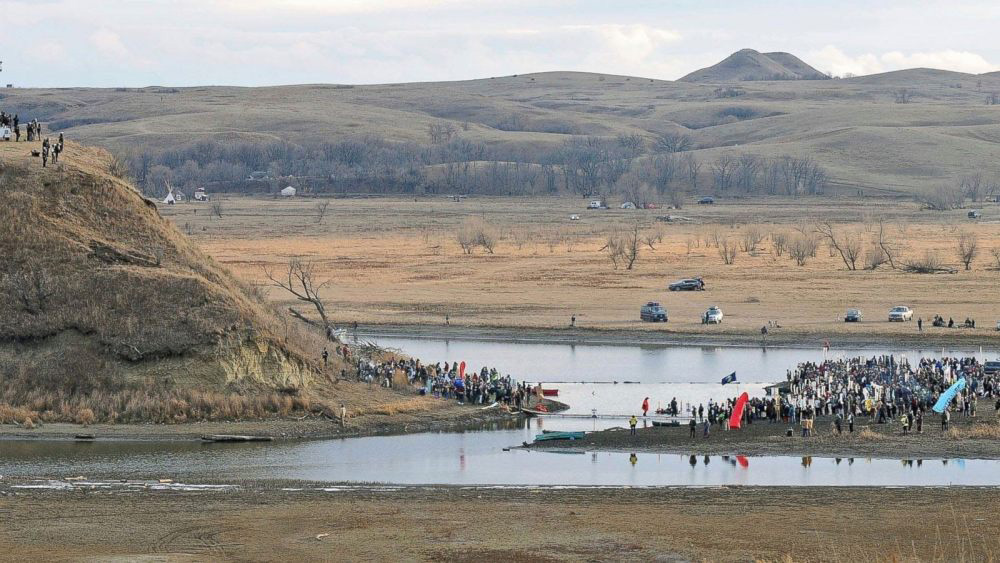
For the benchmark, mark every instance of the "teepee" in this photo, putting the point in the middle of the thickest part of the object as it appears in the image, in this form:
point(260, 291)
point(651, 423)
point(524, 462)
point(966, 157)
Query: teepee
point(170, 199)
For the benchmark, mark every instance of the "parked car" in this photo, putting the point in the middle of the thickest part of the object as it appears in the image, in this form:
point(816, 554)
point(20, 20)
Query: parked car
point(713, 316)
point(991, 367)
point(900, 313)
point(690, 284)
point(974, 214)
point(707, 200)
point(652, 312)
point(853, 316)
point(595, 204)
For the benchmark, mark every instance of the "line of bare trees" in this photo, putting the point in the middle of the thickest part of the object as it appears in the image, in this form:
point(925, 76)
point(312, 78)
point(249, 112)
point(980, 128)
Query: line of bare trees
point(751, 174)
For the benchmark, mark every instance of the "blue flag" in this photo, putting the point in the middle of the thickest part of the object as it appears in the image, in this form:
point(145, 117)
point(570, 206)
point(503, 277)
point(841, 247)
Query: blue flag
point(948, 395)
point(731, 378)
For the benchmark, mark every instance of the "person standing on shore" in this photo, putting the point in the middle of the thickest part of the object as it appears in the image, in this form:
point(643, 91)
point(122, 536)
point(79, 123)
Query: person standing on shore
point(693, 425)
point(632, 422)
point(645, 406)
point(850, 423)
point(920, 324)
point(343, 415)
point(945, 416)
point(706, 425)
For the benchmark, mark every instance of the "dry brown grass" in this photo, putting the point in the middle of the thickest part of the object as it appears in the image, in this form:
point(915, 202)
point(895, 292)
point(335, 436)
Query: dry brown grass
point(869, 435)
point(396, 261)
point(974, 432)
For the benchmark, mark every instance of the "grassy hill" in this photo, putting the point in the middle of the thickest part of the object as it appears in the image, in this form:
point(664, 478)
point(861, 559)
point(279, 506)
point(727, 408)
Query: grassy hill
point(111, 314)
point(749, 65)
point(853, 127)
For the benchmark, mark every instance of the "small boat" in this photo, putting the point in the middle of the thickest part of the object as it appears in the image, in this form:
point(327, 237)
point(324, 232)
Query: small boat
point(559, 436)
point(235, 438)
point(534, 412)
point(550, 392)
point(666, 423)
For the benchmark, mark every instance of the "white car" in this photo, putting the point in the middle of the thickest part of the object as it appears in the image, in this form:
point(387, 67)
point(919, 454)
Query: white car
point(900, 313)
point(713, 316)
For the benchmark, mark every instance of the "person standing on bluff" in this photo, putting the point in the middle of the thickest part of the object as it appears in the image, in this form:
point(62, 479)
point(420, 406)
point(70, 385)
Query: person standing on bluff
point(45, 153)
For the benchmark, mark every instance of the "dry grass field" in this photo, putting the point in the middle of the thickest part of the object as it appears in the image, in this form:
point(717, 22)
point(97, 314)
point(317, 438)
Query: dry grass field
point(398, 262)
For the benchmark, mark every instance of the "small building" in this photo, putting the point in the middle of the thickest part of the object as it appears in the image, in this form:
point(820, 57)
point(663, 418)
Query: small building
point(288, 192)
point(628, 205)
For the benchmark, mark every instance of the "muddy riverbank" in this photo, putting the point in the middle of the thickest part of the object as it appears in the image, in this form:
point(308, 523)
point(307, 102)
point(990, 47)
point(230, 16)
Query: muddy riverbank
point(263, 522)
point(977, 438)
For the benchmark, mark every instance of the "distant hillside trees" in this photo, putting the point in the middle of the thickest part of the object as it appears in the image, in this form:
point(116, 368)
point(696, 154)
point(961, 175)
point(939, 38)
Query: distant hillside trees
point(748, 174)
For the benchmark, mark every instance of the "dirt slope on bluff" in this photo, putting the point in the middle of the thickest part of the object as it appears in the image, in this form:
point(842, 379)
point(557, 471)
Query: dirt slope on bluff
point(110, 313)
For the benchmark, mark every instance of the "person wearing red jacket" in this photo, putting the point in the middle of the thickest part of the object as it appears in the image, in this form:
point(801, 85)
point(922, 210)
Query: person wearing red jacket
point(645, 406)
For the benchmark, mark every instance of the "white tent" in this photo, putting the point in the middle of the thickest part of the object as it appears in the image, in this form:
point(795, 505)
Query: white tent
point(170, 200)
point(288, 192)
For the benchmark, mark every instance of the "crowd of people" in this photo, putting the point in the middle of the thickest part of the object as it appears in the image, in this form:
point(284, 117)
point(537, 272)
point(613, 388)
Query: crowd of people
point(33, 129)
point(883, 389)
point(446, 381)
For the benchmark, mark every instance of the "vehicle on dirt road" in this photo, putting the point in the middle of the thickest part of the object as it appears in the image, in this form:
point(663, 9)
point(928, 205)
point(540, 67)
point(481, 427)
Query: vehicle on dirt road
point(707, 200)
point(900, 313)
point(690, 284)
point(853, 316)
point(653, 312)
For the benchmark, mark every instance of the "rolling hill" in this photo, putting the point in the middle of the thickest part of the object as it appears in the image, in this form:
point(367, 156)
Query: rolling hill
point(749, 65)
point(853, 127)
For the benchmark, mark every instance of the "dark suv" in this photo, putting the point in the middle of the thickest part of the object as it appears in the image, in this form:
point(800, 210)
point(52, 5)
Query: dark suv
point(693, 284)
point(652, 312)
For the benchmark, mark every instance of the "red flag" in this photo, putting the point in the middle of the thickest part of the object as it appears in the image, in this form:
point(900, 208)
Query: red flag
point(744, 462)
point(461, 369)
point(737, 418)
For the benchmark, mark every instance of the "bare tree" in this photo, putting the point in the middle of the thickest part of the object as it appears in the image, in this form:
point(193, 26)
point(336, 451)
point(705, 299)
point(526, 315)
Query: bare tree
point(876, 257)
point(848, 246)
point(723, 171)
point(321, 210)
point(614, 249)
point(996, 258)
point(216, 209)
point(902, 96)
point(693, 168)
point(727, 251)
point(299, 279)
point(968, 249)
point(801, 248)
point(674, 142)
point(779, 242)
point(886, 243)
point(440, 133)
point(751, 238)
point(631, 246)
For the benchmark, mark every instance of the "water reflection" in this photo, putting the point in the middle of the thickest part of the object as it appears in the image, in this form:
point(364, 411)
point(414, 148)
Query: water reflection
point(467, 458)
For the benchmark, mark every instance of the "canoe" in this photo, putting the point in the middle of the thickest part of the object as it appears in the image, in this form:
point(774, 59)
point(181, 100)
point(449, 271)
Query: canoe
point(550, 392)
point(666, 423)
point(235, 438)
point(559, 436)
point(534, 412)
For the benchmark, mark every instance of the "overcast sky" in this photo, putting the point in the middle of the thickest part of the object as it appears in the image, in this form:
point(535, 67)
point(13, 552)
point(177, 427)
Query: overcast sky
point(263, 42)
